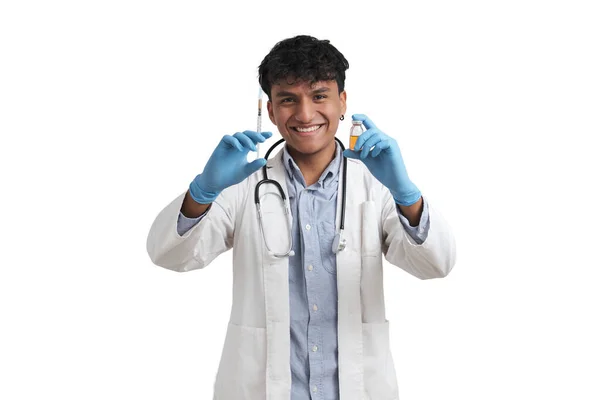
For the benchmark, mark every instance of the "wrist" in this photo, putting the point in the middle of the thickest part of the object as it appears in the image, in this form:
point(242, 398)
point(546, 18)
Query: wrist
point(191, 209)
point(413, 213)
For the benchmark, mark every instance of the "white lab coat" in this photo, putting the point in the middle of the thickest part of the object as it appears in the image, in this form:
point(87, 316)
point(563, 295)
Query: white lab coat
point(255, 362)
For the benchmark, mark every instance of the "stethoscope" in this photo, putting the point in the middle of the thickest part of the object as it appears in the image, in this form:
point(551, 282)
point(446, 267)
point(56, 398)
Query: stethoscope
point(339, 242)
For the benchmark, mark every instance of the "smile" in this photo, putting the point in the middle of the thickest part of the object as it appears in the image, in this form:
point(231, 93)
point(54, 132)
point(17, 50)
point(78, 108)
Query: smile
point(307, 131)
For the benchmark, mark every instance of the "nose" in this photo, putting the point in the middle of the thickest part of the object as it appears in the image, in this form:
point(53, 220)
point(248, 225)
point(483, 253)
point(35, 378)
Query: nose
point(305, 111)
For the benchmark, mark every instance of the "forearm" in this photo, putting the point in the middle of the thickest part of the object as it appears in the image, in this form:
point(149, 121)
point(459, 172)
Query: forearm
point(432, 257)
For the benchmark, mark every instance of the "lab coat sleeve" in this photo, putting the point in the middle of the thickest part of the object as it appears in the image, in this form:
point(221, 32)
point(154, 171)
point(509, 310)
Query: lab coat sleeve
point(417, 233)
point(202, 243)
point(434, 258)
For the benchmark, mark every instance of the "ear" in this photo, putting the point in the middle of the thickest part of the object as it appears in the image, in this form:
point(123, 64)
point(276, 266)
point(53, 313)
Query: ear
point(270, 110)
point(343, 101)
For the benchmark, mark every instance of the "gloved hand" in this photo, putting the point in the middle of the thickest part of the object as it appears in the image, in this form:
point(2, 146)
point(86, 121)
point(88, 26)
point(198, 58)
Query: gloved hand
point(227, 165)
point(384, 161)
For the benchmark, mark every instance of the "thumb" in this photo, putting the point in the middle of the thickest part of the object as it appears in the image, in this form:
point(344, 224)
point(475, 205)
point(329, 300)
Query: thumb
point(350, 154)
point(254, 166)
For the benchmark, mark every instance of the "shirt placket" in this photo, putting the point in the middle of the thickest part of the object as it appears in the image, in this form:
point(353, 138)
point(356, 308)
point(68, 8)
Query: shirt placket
point(312, 268)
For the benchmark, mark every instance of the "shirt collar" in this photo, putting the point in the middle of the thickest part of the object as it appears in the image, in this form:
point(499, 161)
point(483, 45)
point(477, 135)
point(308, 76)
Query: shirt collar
point(329, 175)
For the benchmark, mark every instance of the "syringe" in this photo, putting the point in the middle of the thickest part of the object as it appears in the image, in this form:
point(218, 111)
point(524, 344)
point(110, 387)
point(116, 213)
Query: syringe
point(259, 119)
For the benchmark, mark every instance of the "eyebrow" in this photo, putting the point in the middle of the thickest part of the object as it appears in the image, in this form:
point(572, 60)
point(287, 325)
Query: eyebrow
point(316, 91)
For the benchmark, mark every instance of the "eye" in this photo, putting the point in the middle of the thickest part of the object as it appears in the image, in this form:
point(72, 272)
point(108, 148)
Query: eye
point(287, 100)
point(320, 97)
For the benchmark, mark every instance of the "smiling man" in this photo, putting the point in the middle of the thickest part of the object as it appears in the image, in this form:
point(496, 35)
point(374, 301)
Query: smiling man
point(309, 323)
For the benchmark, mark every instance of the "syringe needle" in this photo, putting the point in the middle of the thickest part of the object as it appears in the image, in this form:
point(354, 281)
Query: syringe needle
point(259, 120)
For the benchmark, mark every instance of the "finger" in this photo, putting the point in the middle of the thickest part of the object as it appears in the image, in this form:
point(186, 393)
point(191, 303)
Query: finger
point(350, 154)
point(254, 166)
point(366, 135)
point(233, 142)
point(365, 120)
point(379, 147)
point(373, 140)
point(267, 135)
point(245, 141)
point(255, 136)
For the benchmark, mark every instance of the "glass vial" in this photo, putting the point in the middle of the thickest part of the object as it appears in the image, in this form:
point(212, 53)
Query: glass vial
point(355, 132)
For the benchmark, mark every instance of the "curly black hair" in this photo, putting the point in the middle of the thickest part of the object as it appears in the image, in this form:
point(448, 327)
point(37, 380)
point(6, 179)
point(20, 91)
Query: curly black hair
point(302, 58)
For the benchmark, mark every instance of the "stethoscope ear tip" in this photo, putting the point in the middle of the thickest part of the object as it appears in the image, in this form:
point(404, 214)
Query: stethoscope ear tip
point(292, 253)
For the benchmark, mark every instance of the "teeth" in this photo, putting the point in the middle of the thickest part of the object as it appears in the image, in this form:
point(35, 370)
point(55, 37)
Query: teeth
point(312, 128)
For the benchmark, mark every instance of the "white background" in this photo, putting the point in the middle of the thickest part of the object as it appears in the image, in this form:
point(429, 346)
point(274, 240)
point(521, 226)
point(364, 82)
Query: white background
point(109, 109)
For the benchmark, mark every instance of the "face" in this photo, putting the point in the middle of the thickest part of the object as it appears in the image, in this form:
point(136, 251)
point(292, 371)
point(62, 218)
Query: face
point(307, 116)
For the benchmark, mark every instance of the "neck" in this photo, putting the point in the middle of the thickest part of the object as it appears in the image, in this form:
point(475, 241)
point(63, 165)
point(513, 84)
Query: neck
point(313, 165)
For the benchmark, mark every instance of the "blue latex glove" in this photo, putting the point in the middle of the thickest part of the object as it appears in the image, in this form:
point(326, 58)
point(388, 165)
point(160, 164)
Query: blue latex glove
point(384, 161)
point(228, 165)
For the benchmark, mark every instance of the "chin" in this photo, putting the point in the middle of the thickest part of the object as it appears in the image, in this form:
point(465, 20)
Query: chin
point(311, 148)
point(308, 150)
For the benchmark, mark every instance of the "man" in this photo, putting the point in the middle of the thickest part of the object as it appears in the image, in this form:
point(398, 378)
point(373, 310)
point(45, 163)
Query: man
point(308, 324)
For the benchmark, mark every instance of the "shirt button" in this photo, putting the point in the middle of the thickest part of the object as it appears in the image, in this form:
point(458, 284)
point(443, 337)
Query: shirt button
point(314, 389)
point(310, 267)
point(315, 348)
point(315, 307)
point(307, 227)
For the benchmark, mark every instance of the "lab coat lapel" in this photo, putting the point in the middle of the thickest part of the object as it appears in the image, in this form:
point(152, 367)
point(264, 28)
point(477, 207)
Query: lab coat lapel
point(276, 287)
point(350, 339)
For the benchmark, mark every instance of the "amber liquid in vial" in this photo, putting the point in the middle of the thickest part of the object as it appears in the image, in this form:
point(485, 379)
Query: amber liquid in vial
point(355, 132)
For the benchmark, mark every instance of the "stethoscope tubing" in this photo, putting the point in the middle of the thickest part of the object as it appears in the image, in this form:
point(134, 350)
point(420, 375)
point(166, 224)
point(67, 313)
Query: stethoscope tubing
point(267, 180)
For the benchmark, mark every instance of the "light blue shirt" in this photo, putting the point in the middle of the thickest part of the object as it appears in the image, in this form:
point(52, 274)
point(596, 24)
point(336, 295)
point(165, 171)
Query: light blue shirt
point(312, 278)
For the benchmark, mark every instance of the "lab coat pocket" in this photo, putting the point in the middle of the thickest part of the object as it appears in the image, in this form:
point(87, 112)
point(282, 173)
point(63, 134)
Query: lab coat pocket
point(371, 243)
point(242, 370)
point(379, 371)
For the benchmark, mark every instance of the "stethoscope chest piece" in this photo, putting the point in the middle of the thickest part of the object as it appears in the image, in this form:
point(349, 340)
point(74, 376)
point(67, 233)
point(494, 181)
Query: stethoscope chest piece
point(339, 243)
